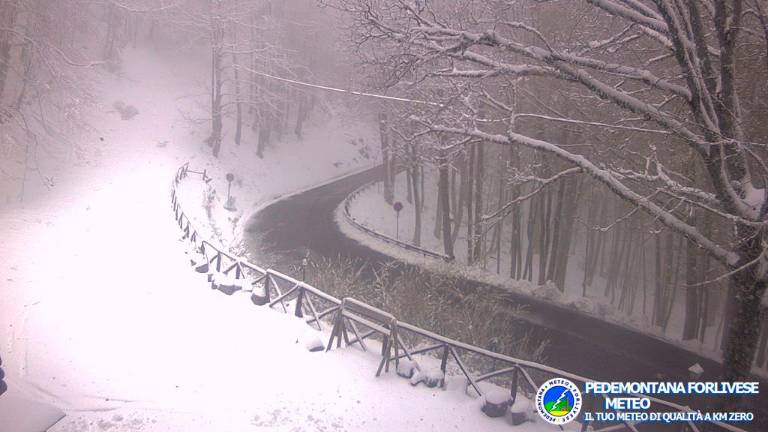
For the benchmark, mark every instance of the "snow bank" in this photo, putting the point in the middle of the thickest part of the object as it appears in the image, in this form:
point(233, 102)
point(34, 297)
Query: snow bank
point(371, 210)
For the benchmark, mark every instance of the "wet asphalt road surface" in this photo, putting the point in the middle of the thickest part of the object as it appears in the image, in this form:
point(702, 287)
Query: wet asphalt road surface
point(579, 344)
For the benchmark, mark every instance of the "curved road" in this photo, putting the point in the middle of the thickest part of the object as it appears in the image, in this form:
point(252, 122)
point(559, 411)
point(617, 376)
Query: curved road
point(581, 344)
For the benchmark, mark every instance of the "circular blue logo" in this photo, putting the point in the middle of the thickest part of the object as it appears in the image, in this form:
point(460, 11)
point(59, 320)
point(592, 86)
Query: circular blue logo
point(558, 401)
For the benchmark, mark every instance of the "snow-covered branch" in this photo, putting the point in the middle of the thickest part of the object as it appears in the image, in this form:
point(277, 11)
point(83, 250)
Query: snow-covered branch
point(604, 176)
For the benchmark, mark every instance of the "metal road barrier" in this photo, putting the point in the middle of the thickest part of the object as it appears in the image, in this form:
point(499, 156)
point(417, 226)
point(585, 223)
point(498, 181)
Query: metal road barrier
point(351, 219)
point(353, 322)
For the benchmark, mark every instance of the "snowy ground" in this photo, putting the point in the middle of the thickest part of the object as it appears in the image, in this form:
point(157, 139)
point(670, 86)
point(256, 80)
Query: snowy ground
point(101, 315)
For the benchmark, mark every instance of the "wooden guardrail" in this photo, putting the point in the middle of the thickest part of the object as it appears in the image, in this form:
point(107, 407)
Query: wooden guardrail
point(373, 233)
point(398, 339)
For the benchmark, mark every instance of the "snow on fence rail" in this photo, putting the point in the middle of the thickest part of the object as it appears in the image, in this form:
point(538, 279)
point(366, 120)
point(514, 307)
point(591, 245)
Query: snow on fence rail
point(354, 322)
point(351, 219)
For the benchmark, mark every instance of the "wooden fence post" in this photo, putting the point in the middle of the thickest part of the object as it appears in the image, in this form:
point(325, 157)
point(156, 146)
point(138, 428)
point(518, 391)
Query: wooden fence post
point(266, 288)
point(513, 390)
point(395, 343)
point(338, 322)
point(299, 300)
point(385, 350)
point(444, 361)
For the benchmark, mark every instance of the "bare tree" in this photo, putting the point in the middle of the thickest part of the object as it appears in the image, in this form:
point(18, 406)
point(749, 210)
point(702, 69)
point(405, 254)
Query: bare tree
point(648, 69)
point(41, 98)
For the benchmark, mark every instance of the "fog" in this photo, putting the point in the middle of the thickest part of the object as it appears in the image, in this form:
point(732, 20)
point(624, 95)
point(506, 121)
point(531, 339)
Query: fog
point(576, 187)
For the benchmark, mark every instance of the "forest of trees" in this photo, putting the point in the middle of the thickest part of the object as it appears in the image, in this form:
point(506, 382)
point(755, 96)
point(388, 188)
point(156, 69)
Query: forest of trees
point(42, 48)
point(48, 49)
point(250, 43)
point(630, 136)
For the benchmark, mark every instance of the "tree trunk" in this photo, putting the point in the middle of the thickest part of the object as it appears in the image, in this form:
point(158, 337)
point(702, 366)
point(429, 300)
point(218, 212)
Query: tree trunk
point(217, 82)
point(515, 246)
point(109, 39)
point(470, 208)
point(592, 240)
point(421, 185)
point(499, 225)
point(301, 116)
point(532, 215)
point(389, 191)
point(659, 273)
point(238, 102)
point(252, 81)
point(416, 201)
point(573, 192)
point(445, 205)
point(692, 290)
point(216, 120)
point(744, 327)
point(408, 182)
point(477, 234)
point(264, 134)
point(26, 60)
point(692, 274)
point(454, 193)
point(515, 241)
point(458, 214)
point(7, 18)
point(674, 282)
point(437, 230)
point(557, 216)
point(545, 206)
